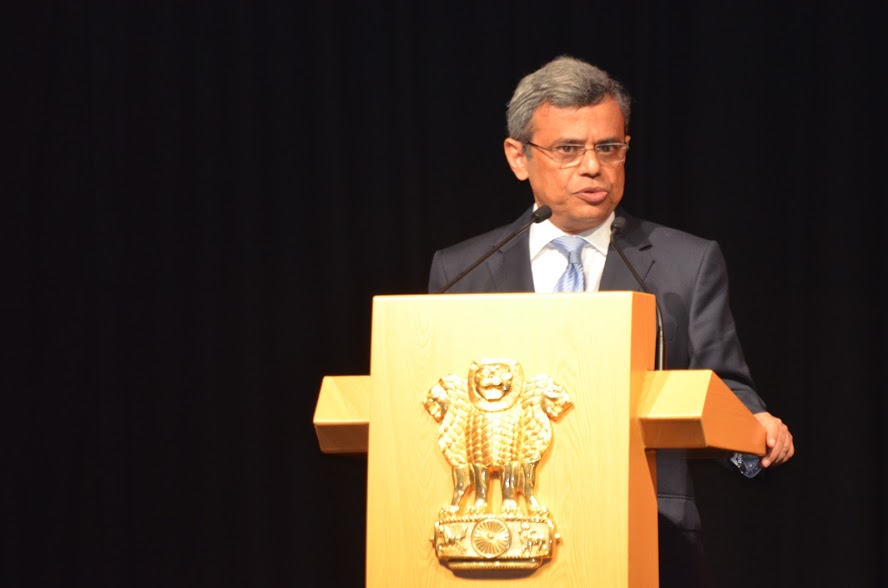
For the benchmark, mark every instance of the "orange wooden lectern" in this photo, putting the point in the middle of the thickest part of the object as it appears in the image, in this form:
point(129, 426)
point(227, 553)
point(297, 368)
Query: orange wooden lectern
point(598, 478)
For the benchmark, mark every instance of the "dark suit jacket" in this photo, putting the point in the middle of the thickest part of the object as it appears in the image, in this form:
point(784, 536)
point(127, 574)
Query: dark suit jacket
point(688, 276)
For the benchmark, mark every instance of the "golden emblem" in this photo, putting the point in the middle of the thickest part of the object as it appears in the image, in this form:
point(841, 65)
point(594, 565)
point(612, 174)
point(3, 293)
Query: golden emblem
point(495, 424)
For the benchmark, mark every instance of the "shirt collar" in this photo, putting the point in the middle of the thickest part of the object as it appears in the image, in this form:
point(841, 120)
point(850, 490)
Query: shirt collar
point(542, 233)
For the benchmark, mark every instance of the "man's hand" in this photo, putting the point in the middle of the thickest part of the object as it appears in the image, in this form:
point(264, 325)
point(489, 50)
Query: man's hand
point(779, 440)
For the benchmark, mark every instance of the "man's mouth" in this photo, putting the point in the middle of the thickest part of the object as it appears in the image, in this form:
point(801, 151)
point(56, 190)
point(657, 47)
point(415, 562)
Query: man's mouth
point(592, 195)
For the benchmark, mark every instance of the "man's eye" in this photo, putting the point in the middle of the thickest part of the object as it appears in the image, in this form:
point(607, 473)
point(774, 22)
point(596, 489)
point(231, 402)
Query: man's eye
point(569, 149)
point(608, 148)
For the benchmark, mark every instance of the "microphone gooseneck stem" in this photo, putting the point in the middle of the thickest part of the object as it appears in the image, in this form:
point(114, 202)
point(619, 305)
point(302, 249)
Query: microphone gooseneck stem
point(660, 357)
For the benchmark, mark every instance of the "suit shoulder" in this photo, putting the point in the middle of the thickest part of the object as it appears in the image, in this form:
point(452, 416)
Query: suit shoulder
point(662, 235)
point(674, 247)
point(479, 244)
point(484, 240)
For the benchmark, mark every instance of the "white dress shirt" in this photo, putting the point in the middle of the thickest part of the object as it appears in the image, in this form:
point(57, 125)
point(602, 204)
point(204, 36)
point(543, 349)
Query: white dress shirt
point(547, 263)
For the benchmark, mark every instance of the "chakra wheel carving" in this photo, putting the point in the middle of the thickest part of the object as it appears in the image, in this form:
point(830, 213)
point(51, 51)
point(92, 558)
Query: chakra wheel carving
point(491, 537)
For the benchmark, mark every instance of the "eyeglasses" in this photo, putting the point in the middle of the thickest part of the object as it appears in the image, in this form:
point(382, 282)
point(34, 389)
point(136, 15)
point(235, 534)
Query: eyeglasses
point(571, 155)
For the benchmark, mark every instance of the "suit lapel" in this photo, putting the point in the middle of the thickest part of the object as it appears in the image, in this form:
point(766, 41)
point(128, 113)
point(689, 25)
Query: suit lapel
point(510, 268)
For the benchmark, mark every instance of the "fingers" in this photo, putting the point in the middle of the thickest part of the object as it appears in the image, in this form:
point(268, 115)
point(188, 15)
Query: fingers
point(780, 446)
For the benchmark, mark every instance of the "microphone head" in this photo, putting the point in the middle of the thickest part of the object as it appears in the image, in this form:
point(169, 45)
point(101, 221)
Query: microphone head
point(619, 224)
point(541, 213)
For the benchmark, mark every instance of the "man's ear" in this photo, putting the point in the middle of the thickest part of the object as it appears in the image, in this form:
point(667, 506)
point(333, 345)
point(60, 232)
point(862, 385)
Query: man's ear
point(516, 157)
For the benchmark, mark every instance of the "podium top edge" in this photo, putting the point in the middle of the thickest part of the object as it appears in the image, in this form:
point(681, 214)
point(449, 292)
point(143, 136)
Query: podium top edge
point(505, 295)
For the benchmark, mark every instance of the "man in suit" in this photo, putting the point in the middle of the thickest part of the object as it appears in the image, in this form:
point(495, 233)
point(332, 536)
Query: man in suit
point(568, 136)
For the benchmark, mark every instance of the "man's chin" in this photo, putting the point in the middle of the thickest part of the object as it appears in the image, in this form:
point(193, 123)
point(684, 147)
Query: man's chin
point(574, 224)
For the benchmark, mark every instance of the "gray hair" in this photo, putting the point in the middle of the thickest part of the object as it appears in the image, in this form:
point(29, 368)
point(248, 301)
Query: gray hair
point(565, 82)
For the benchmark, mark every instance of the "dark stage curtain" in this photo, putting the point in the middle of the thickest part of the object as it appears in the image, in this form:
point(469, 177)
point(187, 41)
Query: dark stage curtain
point(204, 197)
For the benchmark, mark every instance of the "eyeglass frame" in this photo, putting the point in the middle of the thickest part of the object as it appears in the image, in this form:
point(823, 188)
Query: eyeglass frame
point(549, 150)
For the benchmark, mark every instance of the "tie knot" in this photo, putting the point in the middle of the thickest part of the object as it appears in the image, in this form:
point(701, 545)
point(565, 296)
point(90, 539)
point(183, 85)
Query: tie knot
point(571, 246)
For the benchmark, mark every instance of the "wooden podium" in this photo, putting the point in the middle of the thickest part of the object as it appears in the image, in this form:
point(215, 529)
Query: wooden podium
point(598, 477)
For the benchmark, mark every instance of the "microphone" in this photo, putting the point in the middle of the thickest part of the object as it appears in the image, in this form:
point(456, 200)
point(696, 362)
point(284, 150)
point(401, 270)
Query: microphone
point(618, 225)
point(538, 216)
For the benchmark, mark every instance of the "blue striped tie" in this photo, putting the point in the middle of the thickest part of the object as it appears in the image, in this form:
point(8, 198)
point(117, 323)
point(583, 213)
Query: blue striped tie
point(572, 280)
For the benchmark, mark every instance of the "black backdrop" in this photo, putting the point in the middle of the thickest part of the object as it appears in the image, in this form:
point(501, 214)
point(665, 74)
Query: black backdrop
point(207, 195)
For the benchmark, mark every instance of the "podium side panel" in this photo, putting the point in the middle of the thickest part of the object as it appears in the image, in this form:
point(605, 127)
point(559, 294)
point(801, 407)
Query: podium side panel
point(695, 409)
point(342, 414)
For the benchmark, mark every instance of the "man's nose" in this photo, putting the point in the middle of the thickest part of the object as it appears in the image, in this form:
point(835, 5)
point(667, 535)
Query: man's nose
point(589, 163)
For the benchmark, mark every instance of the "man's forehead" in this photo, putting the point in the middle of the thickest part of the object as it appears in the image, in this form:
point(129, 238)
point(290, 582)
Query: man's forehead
point(578, 122)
